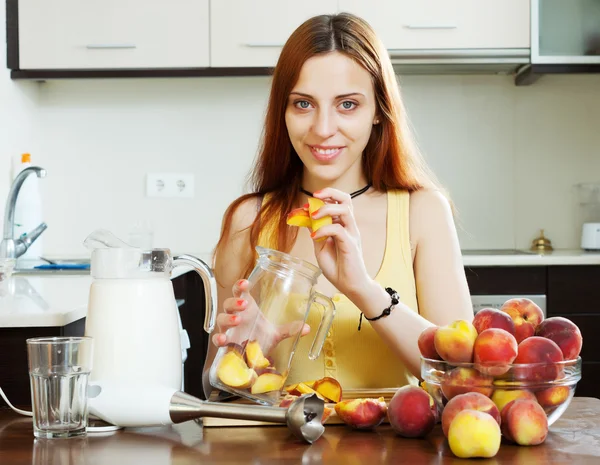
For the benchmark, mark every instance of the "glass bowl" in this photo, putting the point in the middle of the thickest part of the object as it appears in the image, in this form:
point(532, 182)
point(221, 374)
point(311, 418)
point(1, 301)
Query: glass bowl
point(552, 385)
point(7, 265)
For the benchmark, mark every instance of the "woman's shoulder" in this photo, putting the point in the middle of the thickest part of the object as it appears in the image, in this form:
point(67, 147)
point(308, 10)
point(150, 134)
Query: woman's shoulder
point(244, 212)
point(430, 210)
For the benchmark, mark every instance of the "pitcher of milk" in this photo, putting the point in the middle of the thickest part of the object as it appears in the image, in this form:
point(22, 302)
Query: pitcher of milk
point(132, 314)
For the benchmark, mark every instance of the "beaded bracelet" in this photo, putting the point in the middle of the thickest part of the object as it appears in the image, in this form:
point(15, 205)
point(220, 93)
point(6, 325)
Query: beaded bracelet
point(395, 300)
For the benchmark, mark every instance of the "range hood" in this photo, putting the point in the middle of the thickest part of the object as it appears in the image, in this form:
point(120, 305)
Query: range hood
point(459, 61)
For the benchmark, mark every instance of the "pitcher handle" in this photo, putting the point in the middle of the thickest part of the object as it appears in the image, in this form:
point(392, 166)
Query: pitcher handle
point(325, 324)
point(210, 287)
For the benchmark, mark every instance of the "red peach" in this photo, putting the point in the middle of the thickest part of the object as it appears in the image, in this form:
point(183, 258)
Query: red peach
point(494, 351)
point(461, 380)
point(565, 333)
point(526, 315)
point(426, 343)
point(487, 318)
point(412, 412)
point(524, 422)
point(542, 351)
point(362, 413)
point(471, 401)
point(553, 396)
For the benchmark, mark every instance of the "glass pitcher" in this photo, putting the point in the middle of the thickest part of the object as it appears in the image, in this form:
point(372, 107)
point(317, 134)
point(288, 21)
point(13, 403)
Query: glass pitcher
point(258, 356)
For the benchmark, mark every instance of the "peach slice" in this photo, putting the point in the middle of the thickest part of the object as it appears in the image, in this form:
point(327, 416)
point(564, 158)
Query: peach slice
point(329, 388)
point(254, 356)
point(234, 372)
point(362, 413)
point(267, 382)
point(299, 217)
point(289, 398)
point(313, 206)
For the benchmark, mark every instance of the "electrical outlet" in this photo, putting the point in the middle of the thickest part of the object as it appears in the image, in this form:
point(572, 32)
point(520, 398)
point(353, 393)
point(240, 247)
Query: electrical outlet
point(180, 185)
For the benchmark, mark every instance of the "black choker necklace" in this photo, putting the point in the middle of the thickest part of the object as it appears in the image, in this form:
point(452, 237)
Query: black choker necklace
point(352, 194)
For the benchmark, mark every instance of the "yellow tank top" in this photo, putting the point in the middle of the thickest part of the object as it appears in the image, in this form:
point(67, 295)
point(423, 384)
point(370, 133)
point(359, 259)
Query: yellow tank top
point(360, 359)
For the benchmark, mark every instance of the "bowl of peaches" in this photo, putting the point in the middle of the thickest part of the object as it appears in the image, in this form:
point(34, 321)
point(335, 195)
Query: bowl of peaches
point(520, 364)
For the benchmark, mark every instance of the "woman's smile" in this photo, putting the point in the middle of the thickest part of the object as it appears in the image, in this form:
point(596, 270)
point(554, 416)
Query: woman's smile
point(325, 154)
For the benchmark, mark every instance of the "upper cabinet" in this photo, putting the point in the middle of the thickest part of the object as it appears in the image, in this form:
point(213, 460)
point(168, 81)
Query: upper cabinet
point(446, 24)
point(112, 34)
point(251, 33)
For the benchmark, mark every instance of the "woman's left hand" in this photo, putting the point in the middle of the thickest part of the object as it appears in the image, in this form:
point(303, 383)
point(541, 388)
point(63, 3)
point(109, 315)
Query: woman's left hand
point(339, 253)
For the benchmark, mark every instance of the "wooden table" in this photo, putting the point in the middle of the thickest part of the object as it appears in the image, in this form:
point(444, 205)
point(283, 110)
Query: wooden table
point(574, 439)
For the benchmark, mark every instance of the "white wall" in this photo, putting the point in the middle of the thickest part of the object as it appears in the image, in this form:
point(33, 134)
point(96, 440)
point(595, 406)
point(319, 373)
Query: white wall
point(509, 155)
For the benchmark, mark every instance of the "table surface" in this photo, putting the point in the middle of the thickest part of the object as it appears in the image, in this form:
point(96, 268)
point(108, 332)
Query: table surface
point(573, 439)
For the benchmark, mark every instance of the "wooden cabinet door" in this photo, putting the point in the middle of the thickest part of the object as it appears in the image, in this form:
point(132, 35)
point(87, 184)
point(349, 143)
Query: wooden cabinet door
point(113, 34)
point(251, 33)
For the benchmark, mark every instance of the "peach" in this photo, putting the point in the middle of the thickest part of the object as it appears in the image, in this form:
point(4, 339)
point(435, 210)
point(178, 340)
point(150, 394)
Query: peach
point(524, 422)
point(468, 401)
point(267, 382)
point(553, 396)
point(461, 380)
point(501, 397)
point(536, 349)
point(328, 388)
point(362, 413)
point(254, 356)
point(526, 315)
point(473, 433)
point(494, 351)
point(412, 412)
point(565, 333)
point(234, 372)
point(426, 343)
point(454, 342)
point(313, 205)
point(487, 318)
point(299, 217)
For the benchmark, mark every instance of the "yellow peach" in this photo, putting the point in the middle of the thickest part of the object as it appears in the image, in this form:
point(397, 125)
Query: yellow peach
point(474, 434)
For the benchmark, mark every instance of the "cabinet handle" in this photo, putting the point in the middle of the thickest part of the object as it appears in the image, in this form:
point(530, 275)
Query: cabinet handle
point(262, 45)
point(430, 26)
point(109, 46)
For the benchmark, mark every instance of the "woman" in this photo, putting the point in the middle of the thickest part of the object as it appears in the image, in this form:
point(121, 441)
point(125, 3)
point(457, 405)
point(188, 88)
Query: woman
point(336, 125)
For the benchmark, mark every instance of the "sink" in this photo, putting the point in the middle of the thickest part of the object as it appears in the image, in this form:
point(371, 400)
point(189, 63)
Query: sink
point(497, 252)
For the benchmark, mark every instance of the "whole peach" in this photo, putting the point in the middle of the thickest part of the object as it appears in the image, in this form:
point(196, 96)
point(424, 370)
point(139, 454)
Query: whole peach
point(461, 380)
point(553, 396)
point(454, 342)
point(426, 343)
point(468, 401)
point(526, 315)
point(412, 412)
point(487, 318)
point(474, 434)
point(565, 333)
point(494, 351)
point(524, 422)
point(501, 397)
point(538, 350)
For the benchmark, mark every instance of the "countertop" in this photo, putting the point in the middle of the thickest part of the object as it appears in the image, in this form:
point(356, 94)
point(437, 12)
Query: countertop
point(573, 439)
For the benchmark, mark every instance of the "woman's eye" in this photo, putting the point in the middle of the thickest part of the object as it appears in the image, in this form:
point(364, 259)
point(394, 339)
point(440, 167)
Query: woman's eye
point(303, 104)
point(347, 105)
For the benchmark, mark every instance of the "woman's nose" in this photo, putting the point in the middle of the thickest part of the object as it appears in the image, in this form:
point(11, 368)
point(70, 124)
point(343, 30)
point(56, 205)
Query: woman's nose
point(325, 124)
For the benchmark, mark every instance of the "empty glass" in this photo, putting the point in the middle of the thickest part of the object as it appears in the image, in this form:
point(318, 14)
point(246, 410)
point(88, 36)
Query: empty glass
point(59, 368)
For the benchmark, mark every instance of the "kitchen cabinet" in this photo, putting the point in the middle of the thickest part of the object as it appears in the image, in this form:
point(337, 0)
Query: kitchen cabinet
point(572, 291)
point(446, 24)
point(112, 34)
point(251, 33)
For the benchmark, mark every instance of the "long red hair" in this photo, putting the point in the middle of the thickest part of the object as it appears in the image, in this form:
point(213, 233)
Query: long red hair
point(390, 160)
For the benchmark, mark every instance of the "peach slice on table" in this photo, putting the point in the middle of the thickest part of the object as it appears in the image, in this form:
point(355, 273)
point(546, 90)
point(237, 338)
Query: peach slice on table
point(329, 388)
point(254, 356)
point(234, 372)
point(362, 413)
point(267, 382)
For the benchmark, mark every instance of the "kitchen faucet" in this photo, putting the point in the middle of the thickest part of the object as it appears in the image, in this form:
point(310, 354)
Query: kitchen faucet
point(11, 247)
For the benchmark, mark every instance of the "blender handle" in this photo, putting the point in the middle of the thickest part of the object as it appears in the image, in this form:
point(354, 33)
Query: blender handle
point(210, 287)
point(325, 324)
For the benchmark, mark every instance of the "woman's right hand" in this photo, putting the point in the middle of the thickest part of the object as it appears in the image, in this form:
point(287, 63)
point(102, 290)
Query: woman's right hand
point(240, 311)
